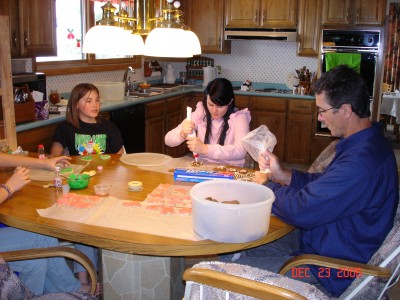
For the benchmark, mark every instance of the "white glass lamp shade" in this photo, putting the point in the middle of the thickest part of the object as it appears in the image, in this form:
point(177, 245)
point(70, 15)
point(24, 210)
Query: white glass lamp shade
point(167, 42)
point(193, 42)
point(111, 40)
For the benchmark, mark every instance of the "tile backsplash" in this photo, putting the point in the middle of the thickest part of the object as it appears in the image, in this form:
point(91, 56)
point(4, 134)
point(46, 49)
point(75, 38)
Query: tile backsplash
point(255, 60)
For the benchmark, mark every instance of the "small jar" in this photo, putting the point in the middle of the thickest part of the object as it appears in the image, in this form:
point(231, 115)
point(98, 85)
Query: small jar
point(54, 96)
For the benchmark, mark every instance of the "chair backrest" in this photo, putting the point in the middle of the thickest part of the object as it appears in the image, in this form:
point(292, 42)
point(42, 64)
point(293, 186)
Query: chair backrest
point(388, 256)
point(324, 158)
point(10, 286)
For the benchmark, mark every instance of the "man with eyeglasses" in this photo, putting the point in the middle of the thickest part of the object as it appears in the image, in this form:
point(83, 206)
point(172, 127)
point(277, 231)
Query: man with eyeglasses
point(347, 210)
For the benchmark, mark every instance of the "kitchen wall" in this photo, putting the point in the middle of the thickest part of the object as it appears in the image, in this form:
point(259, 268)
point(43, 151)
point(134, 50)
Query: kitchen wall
point(256, 60)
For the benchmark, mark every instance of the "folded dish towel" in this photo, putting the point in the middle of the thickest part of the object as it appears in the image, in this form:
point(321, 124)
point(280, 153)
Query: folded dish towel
point(353, 60)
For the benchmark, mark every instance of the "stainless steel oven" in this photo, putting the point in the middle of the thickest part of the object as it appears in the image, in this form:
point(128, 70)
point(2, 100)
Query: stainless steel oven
point(367, 43)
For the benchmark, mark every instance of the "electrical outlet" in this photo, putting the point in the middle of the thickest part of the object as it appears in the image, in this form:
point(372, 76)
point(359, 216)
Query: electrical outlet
point(219, 71)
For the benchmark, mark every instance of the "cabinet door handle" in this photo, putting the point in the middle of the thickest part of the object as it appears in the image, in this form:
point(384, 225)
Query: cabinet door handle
point(14, 40)
point(256, 16)
point(263, 15)
point(26, 42)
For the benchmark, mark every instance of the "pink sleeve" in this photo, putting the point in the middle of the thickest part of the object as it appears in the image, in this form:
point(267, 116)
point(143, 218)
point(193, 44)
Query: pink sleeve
point(173, 137)
point(232, 150)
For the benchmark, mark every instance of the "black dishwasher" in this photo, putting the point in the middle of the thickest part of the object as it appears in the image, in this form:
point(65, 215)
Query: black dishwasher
point(131, 122)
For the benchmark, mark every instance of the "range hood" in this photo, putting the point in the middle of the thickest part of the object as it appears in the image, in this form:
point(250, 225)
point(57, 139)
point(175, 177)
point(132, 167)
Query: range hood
point(289, 35)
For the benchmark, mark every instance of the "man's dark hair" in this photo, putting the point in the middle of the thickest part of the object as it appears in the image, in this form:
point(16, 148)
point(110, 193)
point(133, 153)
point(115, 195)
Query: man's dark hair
point(343, 85)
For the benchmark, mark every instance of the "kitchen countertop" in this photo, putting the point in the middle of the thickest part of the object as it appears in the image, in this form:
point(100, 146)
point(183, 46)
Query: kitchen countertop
point(129, 101)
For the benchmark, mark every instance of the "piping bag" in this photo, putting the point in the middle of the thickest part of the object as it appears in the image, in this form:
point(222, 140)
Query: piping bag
point(258, 141)
point(193, 134)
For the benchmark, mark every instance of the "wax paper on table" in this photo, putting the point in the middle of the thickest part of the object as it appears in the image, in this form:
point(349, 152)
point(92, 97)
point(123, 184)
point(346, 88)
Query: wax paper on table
point(166, 211)
point(48, 175)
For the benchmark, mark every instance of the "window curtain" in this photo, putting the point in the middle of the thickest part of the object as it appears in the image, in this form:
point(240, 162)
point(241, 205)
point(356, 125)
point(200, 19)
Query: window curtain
point(391, 73)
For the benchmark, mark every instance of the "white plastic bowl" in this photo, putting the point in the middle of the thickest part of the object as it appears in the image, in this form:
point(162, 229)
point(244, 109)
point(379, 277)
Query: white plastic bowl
point(231, 223)
point(111, 91)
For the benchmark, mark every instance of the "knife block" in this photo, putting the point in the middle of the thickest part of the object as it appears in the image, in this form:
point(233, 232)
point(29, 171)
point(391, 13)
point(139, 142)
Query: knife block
point(25, 112)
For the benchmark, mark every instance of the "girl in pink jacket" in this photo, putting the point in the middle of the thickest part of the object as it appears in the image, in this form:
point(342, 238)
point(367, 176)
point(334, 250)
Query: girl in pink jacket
point(220, 127)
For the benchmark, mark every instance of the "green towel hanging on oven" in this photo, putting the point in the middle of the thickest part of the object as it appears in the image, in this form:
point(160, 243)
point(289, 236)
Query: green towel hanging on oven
point(353, 60)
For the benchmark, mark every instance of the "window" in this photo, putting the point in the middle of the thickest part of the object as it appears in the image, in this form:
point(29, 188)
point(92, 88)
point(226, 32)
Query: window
point(70, 33)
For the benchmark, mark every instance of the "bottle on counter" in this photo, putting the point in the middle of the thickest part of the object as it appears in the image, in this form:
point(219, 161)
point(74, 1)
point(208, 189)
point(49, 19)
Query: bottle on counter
point(41, 153)
point(57, 178)
point(54, 96)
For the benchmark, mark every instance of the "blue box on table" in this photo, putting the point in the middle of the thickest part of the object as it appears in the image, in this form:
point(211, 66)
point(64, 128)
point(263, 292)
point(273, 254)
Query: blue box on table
point(193, 175)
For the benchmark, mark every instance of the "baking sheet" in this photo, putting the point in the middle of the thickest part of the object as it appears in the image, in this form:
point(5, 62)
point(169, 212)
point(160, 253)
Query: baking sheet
point(146, 159)
point(48, 175)
point(111, 212)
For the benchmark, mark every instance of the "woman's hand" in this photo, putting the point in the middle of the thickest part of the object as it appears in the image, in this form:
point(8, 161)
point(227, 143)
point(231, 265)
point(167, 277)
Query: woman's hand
point(50, 163)
point(196, 145)
point(19, 179)
point(187, 128)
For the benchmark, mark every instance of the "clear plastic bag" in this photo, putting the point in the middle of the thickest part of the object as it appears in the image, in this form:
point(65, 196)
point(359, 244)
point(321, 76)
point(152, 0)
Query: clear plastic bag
point(258, 141)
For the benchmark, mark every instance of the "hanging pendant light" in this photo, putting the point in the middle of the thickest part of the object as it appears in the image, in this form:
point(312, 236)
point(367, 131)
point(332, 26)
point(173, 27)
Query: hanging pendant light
point(169, 39)
point(109, 38)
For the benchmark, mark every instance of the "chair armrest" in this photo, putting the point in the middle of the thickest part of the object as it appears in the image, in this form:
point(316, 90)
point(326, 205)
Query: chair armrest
point(55, 252)
point(324, 261)
point(238, 284)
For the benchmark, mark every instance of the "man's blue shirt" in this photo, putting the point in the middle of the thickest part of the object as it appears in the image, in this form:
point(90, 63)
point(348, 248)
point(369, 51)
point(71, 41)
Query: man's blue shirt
point(346, 211)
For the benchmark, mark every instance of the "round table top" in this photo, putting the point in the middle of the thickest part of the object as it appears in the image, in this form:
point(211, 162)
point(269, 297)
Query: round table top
point(21, 212)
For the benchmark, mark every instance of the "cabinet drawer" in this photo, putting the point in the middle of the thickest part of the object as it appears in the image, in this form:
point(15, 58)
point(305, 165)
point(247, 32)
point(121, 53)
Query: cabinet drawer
point(268, 104)
point(301, 106)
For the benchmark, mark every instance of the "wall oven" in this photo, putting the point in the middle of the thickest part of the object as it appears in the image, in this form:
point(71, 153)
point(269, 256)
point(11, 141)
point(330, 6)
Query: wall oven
point(367, 43)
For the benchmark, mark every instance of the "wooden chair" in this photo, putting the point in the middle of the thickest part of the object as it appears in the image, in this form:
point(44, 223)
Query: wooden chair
point(12, 288)
point(214, 280)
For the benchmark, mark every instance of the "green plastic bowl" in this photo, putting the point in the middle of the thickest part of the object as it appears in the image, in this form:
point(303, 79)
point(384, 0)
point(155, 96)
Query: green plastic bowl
point(78, 181)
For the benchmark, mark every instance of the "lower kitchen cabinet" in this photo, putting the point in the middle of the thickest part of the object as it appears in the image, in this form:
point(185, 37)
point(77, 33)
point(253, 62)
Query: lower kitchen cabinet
point(299, 131)
point(175, 114)
point(271, 112)
point(30, 139)
point(155, 126)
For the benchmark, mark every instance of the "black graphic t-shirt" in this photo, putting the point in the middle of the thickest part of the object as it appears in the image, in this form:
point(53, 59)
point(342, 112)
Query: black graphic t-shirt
point(97, 138)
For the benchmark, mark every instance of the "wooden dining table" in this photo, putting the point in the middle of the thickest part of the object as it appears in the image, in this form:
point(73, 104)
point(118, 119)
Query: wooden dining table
point(120, 247)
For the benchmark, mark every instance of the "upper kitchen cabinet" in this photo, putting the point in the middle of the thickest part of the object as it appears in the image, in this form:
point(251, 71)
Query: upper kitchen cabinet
point(353, 12)
point(308, 31)
point(32, 27)
point(261, 14)
point(206, 19)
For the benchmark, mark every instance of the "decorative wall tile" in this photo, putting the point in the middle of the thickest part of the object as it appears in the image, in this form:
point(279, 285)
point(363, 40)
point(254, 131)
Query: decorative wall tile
point(256, 60)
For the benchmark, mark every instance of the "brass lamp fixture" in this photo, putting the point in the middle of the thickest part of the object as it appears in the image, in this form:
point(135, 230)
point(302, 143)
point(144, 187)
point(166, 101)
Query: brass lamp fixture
point(113, 35)
point(119, 35)
point(171, 38)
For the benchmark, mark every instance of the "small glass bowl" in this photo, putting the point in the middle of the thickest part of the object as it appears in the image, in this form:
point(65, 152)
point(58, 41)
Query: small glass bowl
point(102, 189)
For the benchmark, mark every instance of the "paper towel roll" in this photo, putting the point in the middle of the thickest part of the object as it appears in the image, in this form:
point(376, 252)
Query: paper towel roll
point(209, 74)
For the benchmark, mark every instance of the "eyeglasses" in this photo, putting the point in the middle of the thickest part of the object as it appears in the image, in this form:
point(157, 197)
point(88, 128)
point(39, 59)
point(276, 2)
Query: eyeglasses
point(321, 111)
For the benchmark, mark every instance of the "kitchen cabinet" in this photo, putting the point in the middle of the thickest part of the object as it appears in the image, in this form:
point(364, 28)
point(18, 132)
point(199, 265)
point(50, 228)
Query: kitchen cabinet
point(308, 31)
point(261, 14)
point(30, 139)
point(175, 114)
point(299, 131)
point(353, 13)
point(155, 126)
point(33, 27)
point(271, 112)
point(206, 19)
